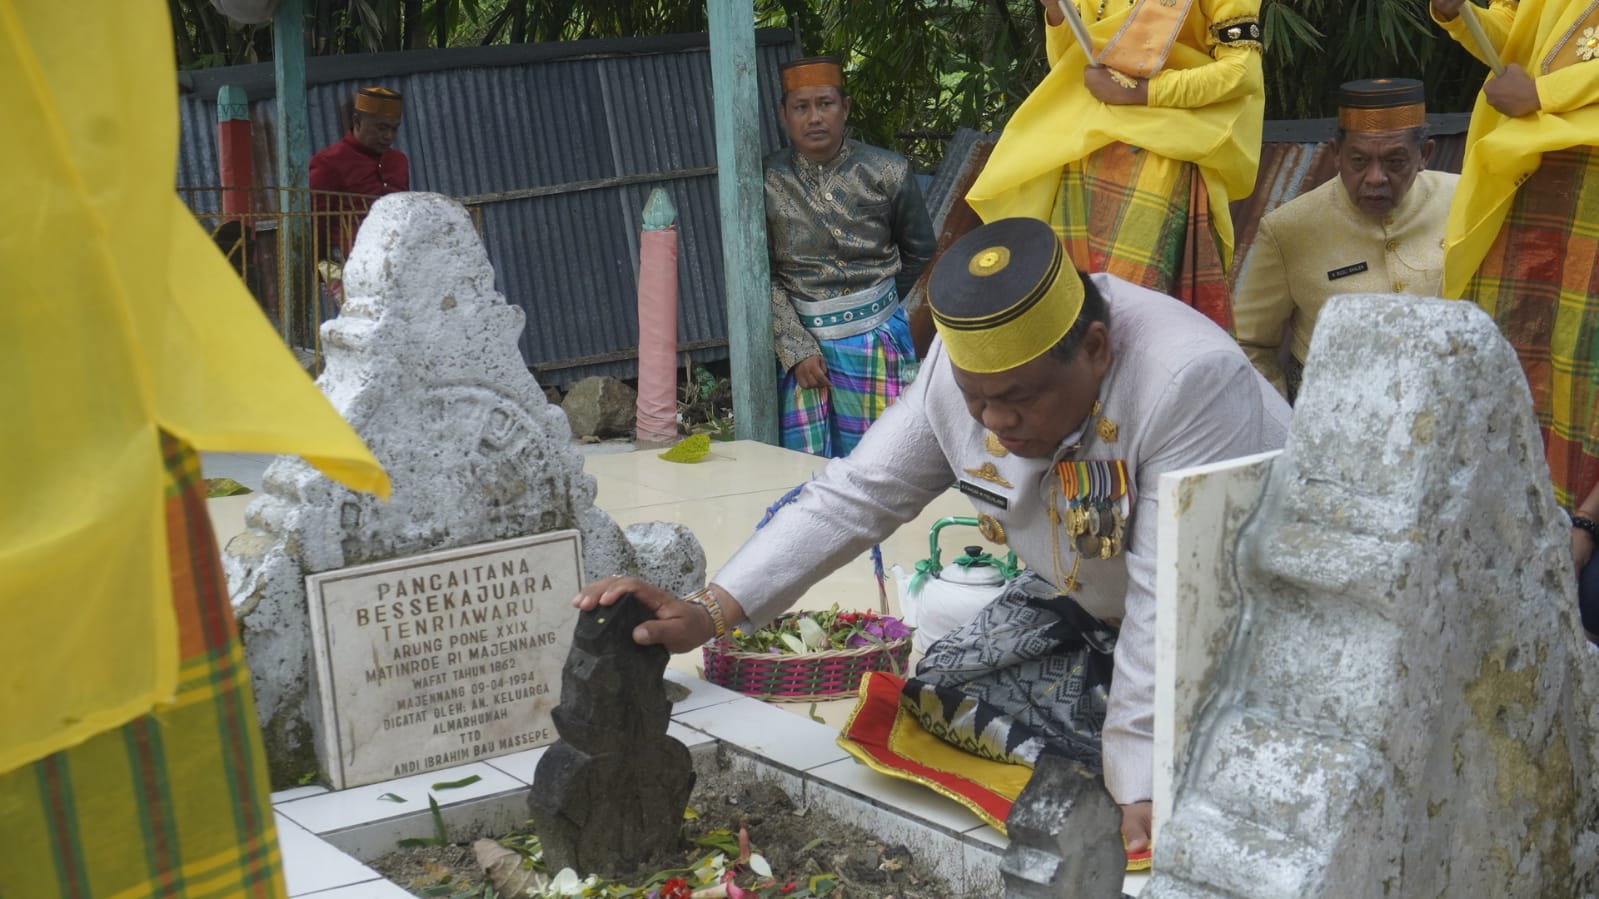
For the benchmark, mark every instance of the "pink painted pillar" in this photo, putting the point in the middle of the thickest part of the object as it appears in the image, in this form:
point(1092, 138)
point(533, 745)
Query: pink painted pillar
point(657, 323)
point(233, 150)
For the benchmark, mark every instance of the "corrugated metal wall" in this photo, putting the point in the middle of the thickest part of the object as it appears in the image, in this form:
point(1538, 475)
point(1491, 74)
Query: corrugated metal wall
point(559, 147)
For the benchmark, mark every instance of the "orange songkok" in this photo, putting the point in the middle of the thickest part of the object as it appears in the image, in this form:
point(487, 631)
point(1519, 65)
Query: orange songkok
point(1382, 104)
point(812, 71)
point(379, 101)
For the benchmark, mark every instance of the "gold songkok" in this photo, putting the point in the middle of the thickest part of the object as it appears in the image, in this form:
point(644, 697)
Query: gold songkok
point(812, 71)
point(1002, 295)
point(379, 101)
point(1382, 104)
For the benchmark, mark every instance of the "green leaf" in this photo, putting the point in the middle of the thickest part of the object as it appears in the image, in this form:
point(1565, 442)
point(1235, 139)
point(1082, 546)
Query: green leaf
point(391, 797)
point(693, 448)
point(457, 784)
point(440, 835)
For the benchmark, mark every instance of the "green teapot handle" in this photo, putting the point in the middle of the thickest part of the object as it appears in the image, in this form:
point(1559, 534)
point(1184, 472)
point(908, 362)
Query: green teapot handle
point(933, 561)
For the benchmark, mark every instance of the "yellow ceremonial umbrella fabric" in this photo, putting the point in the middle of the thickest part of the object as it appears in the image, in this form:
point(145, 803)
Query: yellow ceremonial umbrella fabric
point(118, 319)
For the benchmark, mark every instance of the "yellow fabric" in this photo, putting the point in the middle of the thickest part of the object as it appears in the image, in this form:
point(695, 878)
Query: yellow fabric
point(1502, 151)
point(1287, 278)
point(120, 318)
point(1203, 109)
point(909, 739)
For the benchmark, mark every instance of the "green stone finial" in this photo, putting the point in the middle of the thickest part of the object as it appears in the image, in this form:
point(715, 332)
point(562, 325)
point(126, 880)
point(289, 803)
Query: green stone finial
point(659, 213)
point(233, 103)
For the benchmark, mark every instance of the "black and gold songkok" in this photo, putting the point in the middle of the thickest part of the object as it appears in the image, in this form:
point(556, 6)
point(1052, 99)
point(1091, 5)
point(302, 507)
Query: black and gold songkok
point(379, 101)
point(1382, 104)
point(1002, 295)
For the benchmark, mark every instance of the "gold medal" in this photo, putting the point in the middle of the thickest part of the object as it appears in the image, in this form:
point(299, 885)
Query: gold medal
point(1107, 547)
point(1078, 521)
point(1088, 546)
point(992, 444)
point(991, 529)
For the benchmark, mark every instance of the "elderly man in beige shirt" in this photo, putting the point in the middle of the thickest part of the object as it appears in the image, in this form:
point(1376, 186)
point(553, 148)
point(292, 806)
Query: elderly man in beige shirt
point(1377, 228)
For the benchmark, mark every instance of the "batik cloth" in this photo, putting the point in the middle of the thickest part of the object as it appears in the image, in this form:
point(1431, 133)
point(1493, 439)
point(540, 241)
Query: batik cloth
point(174, 803)
point(1540, 282)
point(1145, 219)
point(868, 372)
point(1028, 675)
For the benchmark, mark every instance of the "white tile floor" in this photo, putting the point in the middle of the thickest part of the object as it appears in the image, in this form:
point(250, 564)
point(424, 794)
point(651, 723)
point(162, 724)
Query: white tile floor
point(324, 835)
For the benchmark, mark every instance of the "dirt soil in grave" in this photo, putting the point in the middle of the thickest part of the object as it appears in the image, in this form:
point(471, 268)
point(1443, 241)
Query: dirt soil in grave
point(798, 843)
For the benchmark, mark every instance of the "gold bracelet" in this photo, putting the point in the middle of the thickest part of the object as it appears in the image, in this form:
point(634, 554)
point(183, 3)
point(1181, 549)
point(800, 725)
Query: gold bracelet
point(707, 600)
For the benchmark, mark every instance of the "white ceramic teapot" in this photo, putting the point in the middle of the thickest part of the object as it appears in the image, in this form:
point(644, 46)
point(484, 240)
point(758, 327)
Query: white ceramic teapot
point(935, 598)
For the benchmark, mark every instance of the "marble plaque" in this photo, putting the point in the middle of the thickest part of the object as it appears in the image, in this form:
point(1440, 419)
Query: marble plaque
point(437, 660)
point(1197, 599)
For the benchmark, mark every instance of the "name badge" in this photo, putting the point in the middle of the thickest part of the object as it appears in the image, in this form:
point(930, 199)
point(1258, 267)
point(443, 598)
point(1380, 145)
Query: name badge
point(987, 496)
point(1346, 271)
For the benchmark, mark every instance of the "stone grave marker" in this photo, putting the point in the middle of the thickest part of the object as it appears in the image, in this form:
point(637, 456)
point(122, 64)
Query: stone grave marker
point(1197, 599)
point(437, 660)
point(423, 361)
point(610, 794)
point(1408, 706)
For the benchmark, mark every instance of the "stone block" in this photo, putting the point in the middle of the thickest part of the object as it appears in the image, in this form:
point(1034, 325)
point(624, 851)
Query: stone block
point(1407, 710)
point(601, 407)
point(423, 361)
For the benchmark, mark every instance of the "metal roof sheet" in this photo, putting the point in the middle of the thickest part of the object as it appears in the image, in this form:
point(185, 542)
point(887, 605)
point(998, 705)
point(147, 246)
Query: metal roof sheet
point(558, 146)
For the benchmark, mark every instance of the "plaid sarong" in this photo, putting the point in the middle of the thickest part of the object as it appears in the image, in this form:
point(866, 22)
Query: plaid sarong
point(868, 372)
point(171, 804)
point(1145, 219)
point(1540, 282)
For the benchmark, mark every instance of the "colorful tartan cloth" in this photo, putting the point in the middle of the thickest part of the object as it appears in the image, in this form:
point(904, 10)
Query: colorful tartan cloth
point(174, 803)
point(1146, 219)
point(868, 372)
point(1540, 282)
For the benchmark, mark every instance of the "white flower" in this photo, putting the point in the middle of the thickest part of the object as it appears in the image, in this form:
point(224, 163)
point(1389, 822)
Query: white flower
point(1588, 43)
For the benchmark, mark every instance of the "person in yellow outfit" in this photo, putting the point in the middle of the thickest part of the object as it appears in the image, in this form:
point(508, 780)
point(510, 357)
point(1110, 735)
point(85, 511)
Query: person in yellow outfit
point(1376, 228)
point(1523, 235)
point(130, 760)
point(1133, 149)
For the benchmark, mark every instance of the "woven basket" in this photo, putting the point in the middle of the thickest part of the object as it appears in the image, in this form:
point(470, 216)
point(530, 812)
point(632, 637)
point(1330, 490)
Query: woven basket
point(811, 677)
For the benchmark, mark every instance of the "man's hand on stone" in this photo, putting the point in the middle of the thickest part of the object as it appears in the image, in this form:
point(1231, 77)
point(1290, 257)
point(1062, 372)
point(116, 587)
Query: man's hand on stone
point(1106, 89)
point(1512, 92)
point(811, 374)
point(679, 626)
point(1138, 820)
point(1446, 10)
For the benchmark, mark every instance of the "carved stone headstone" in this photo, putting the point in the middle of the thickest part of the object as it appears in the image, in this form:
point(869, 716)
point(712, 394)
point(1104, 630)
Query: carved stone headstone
point(1065, 836)
point(610, 793)
point(423, 362)
point(1407, 709)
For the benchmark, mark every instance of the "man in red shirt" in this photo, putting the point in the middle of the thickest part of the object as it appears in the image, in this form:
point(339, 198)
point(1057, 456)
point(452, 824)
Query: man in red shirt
point(362, 166)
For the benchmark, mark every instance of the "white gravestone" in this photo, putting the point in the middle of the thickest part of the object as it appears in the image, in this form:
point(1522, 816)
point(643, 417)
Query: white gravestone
point(423, 361)
point(1197, 599)
point(442, 659)
point(1408, 706)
